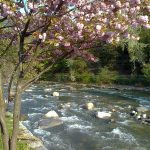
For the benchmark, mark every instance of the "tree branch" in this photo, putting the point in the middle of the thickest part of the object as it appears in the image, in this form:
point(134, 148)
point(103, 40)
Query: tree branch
point(50, 66)
point(3, 19)
point(8, 46)
point(4, 27)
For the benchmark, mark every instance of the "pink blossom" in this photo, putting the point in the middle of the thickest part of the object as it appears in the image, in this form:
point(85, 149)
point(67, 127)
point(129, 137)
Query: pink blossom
point(138, 8)
point(98, 27)
point(40, 36)
point(117, 39)
point(132, 10)
point(80, 25)
point(60, 38)
point(135, 24)
point(30, 5)
point(126, 35)
point(109, 40)
point(44, 37)
point(127, 4)
point(143, 19)
point(138, 1)
point(103, 6)
point(147, 26)
point(88, 7)
point(118, 4)
point(148, 8)
point(118, 26)
point(67, 44)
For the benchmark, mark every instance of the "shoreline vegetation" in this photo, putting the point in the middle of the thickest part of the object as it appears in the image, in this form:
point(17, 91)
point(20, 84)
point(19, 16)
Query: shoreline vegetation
point(107, 86)
point(26, 140)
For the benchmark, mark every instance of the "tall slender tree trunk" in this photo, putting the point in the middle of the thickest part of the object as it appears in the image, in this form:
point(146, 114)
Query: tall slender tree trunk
point(3, 126)
point(16, 116)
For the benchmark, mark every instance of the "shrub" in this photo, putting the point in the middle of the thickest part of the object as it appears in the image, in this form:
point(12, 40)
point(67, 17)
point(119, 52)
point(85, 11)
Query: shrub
point(146, 71)
point(85, 77)
point(62, 77)
point(106, 76)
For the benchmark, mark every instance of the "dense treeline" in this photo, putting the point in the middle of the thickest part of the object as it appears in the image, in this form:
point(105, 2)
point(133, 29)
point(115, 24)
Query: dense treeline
point(126, 63)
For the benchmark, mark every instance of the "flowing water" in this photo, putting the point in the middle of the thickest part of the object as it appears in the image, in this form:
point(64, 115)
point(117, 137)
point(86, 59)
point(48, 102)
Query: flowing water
point(80, 129)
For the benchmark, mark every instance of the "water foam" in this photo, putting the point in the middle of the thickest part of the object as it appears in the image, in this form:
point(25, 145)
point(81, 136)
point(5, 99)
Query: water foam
point(126, 137)
point(41, 132)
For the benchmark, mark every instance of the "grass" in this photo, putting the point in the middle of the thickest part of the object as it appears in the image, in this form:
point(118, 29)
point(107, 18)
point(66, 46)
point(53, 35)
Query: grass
point(20, 145)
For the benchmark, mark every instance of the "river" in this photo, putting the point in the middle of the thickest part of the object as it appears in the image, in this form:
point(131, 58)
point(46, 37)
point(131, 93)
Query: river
point(80, 129)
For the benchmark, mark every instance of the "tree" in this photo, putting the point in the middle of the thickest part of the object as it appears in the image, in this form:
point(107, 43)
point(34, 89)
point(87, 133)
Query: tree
point(54, 30)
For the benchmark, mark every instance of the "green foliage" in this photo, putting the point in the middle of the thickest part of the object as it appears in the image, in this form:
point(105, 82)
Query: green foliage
point(78, 65)
point(146, 71)
point(62, 66)
point(106, 76)
point(136, 80)
point(136, 51)
point(85, 77)
point(61, 77)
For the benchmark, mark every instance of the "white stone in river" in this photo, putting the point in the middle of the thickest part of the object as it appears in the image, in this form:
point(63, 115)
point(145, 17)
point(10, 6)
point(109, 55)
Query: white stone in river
point(48, 90)
point(103, 114)
point(55, 94)
point(51, 114)
point(144, 116)
point(89, 106)
point(138, 117)
point(142, 109)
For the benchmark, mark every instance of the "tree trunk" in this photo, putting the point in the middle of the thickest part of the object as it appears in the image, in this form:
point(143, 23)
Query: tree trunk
point(16, 116)
point(3, 126)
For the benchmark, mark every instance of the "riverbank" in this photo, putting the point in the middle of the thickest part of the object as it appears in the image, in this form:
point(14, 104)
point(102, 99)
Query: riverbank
point(107, 86)
point(32, 141)
point(26, 140)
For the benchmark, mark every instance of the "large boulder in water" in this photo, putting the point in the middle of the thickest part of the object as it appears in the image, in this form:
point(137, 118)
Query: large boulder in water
point(49, 123)
point(55, 94)
point(103, 115)
point(88, 106)
point(65, 106)
point(141, 109)
point(51, 114)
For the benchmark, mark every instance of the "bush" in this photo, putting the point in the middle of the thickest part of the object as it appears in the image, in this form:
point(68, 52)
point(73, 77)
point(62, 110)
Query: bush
point(86, 77)
point(146, 71)
point(106, 76)
point(62, 77)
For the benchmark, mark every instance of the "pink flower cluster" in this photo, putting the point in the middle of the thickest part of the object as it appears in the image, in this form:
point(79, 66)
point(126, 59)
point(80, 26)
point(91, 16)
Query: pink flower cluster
point(77, 24)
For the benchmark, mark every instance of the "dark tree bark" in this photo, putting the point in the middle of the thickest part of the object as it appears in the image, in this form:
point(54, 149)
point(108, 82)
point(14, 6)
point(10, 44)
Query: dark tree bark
point(3, 126)
point(16, 116)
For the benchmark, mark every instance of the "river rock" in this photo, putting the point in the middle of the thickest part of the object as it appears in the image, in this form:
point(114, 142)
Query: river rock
point(49, 123)
point(146, 121)
point(88, 106)
point(65, 106)
point(51, 114)
point(55, 94)
point(48, 90)
point(45, 96)
point(103, 115)
point(141, 109)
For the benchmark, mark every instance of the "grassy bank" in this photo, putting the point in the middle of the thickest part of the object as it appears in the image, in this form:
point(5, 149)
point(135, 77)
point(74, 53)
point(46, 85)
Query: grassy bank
point(20, 145)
